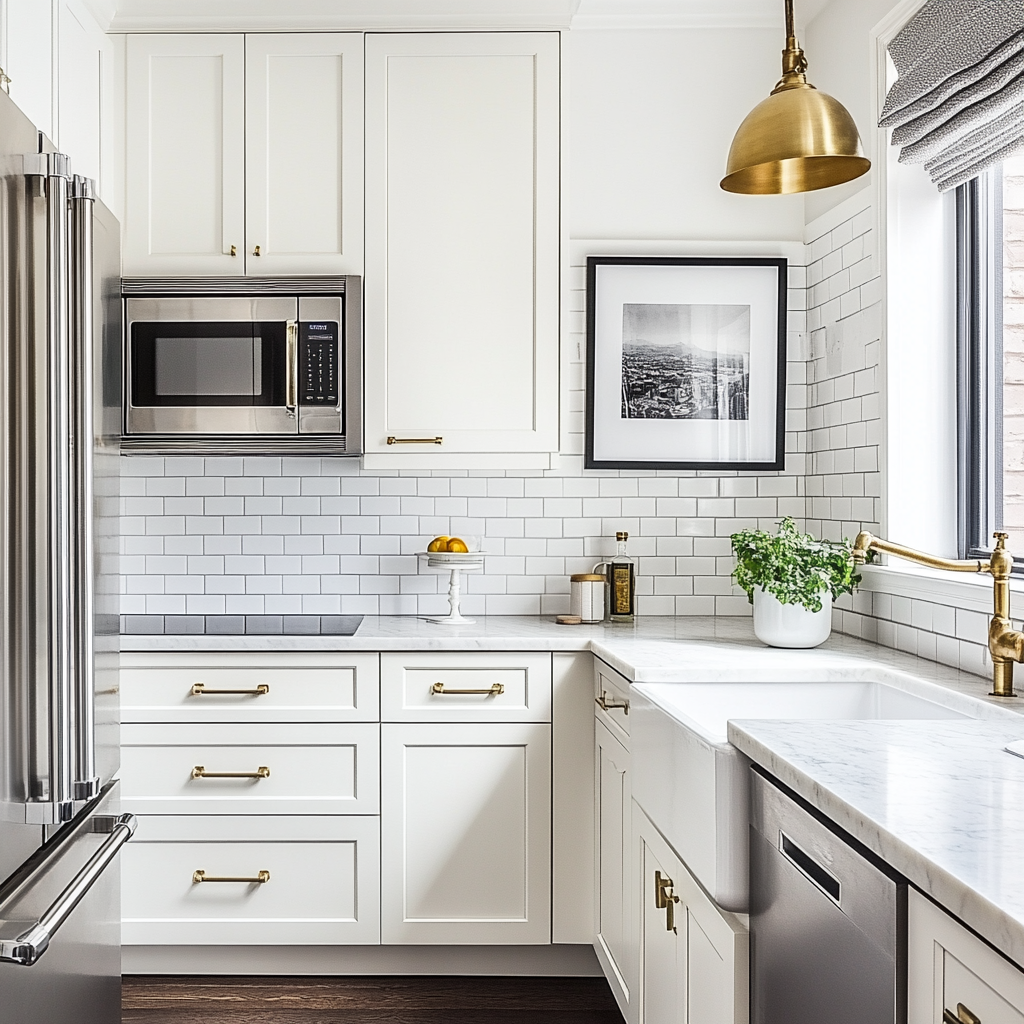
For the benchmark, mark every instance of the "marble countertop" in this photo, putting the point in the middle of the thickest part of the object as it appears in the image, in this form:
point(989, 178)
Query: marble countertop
point(942, 802)
point(653, 649)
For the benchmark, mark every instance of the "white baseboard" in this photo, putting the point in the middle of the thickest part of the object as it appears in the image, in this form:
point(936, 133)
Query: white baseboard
point(560, 961)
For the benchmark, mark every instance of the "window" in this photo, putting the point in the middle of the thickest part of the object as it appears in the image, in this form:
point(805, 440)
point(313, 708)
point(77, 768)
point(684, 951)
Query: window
point(990, 332)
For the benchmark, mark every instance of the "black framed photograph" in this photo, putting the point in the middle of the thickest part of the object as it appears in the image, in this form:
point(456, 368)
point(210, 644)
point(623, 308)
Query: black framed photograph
point(686, 363)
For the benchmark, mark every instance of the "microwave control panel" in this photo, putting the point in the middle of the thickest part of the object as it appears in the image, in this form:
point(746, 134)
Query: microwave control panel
point(319, 382)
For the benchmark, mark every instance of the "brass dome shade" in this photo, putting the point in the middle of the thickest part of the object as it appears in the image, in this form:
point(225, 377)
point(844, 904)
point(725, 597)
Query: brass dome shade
point(797, 140)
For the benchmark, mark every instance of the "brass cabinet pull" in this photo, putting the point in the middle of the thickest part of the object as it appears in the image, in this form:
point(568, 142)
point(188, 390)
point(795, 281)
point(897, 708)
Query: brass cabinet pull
point(234, 250)
point(611, 705)
point(201, 690)
point(199, 772)
point(415, 440)
point(256, 251)
point(962, 1016)
point(665, 899)
point(494, 690)
point(261, 878)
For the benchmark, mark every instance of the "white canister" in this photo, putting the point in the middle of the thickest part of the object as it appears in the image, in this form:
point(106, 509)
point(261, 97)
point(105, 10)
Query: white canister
point(586, 596)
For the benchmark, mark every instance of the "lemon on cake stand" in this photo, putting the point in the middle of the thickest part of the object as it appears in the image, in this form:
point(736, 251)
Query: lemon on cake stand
point(453, 554)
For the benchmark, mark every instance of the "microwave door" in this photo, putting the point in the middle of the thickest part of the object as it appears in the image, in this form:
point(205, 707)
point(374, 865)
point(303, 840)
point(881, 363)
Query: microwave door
point(192, 376)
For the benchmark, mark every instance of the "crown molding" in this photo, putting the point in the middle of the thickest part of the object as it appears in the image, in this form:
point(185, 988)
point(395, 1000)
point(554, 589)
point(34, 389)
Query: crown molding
point(675, 14)
point(335, 15)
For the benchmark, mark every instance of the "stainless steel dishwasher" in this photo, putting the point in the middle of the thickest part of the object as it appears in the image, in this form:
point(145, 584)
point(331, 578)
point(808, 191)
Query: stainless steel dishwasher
point(828, 933)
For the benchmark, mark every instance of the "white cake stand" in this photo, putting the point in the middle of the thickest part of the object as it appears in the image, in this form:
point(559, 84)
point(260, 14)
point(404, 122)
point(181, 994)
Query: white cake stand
point(457, 562)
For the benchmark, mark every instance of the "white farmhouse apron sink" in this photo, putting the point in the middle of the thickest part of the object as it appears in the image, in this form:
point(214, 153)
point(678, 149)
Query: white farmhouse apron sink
point(693, 783)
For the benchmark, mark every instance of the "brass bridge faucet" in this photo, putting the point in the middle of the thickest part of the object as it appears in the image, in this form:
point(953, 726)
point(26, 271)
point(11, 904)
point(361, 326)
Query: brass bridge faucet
point(1004, 642)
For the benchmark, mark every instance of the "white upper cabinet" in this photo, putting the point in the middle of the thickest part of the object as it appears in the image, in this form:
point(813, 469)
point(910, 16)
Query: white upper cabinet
point(304, 153)
point(462, 243)
point(28, 47)
point(244, 154)
point(185, 202)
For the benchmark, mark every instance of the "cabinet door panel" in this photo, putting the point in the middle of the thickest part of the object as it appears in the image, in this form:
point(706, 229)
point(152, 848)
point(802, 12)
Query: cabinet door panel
point(303, 142)
point(949, 966)
point(466, 833)
point(462, 240)
point(185, 143)
point(615, 939)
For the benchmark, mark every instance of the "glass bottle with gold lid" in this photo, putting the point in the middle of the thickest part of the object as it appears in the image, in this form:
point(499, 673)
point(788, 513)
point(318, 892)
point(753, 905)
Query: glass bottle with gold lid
point(621, 582)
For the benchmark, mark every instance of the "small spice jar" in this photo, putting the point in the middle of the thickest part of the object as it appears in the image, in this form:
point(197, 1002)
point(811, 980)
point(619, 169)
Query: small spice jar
point(586, 596)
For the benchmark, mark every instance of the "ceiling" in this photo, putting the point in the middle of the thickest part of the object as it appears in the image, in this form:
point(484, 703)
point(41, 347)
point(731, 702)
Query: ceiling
point(143, 15)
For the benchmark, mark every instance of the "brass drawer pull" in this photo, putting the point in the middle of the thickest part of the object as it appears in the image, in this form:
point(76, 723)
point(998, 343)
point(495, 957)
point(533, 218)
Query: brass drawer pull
point(201, 690)
point(494, 690)
point(665, 899)
point(256, 251)
point(611, 705)
point(415, 440)
point(261, 878)
point(199, 772)
point(234, 250)
point(962, 1016)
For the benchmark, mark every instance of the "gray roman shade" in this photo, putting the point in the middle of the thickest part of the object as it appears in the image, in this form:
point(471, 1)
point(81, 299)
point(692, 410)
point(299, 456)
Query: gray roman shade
point(958, 104)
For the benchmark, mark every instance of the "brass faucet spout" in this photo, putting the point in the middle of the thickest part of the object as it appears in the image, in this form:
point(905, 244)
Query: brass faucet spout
point(1005, 644)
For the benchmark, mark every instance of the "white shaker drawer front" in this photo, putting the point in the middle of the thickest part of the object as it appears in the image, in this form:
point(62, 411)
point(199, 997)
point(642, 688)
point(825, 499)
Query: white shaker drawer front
point(458, 687)
point(250, 769)
point(257, 687)
point(612, 700)
point(271, 880)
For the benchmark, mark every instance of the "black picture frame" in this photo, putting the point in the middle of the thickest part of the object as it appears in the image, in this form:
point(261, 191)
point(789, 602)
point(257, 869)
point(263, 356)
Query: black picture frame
point(769, 383)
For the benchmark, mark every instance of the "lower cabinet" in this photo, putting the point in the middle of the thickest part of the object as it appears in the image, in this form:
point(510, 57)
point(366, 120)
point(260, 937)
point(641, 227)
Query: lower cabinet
point(466, 833)
point(245, 879)
point(955, 977)
point(693, 957)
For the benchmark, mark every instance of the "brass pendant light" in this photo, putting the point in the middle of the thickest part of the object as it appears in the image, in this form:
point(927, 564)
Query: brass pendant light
point(797, 140)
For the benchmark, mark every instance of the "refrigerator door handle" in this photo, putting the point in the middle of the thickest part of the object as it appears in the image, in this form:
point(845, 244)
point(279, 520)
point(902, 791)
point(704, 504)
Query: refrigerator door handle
point(32, 943)
point(59, 488)
point(83, 193)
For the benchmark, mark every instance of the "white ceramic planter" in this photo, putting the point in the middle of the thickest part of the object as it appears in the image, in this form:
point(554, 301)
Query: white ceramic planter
point(791, 625)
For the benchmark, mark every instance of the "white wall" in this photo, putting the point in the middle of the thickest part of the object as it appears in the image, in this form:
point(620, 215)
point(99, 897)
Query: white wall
point(651, 118)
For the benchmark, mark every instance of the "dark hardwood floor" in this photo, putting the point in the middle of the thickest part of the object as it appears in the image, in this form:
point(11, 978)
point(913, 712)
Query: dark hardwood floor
point(367, 1000)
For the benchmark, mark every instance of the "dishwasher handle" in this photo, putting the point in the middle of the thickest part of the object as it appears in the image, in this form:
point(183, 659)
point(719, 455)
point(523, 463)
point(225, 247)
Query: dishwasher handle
point(32, 943)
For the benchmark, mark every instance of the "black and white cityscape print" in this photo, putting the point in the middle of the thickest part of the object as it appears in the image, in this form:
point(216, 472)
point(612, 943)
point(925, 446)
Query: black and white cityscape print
point(685, 362)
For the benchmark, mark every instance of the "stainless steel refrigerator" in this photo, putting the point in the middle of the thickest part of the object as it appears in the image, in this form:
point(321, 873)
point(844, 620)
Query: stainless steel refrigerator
point(60, 382)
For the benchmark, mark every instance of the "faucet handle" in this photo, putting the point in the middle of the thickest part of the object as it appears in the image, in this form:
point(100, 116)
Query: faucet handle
point(1001, 538)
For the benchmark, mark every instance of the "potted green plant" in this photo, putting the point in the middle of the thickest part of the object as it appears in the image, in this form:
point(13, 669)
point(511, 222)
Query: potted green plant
point(791, 580)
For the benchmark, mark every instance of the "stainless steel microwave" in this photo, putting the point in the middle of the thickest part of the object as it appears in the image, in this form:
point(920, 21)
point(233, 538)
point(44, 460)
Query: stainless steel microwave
point(243, 365)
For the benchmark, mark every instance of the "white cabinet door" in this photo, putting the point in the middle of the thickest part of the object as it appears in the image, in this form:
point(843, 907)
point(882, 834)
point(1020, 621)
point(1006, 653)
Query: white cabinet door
point(29, 61)
point(614, 939)
point(950, 969)
point(693, 957)
point(185, 175)
point(466, 833)
point(304, 153)
point(462, 242)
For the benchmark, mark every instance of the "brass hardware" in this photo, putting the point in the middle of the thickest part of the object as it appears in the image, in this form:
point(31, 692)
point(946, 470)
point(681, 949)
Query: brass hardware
point(963, 1016)
point(415, 440)
point(796, 140)
point(665, 899)
point(494, 690)
point(200, 690)
point(611, 705)
point(1005, 644)
point(199, 772)
point(5, 81)
point(234, 250)
point(261, 878)
point(256, 251)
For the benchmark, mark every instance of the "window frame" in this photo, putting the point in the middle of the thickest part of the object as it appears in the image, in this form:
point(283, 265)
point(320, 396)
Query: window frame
point(979, 341)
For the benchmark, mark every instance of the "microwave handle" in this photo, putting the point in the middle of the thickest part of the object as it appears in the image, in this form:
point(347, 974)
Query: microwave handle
point(291, 401)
